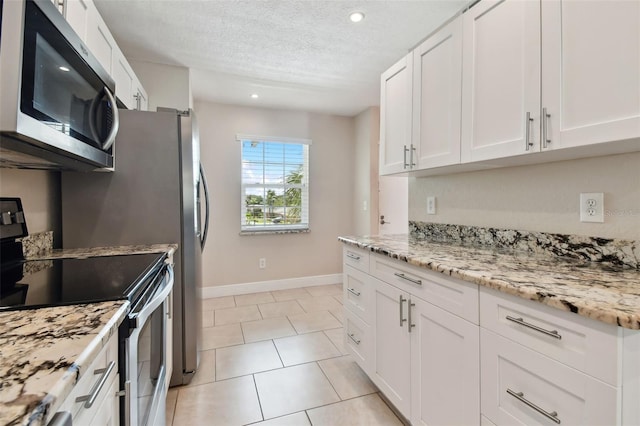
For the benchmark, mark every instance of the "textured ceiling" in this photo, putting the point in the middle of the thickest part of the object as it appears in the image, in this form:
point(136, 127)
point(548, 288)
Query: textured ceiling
point(299, 54)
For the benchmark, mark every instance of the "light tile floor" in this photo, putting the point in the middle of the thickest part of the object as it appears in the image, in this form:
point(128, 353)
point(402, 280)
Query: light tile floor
point(277, 359)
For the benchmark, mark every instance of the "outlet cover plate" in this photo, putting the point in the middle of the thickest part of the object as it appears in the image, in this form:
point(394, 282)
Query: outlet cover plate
point(592, 207)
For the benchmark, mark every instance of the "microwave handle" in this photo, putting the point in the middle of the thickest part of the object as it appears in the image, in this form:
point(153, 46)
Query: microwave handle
point(116, 121)
point(111, 137)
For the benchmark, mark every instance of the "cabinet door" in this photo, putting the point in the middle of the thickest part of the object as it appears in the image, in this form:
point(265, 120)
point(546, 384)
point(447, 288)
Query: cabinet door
point(395, 117)
point(76, 12)
point(99, 39)
point(501, 79)
point(445, 367)
point(123, 76)
point(591, 71)
point(437, 100)
point(392, 355)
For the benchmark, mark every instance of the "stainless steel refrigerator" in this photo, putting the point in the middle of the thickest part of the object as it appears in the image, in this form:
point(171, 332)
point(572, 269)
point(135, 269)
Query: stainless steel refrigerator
point(153, 197)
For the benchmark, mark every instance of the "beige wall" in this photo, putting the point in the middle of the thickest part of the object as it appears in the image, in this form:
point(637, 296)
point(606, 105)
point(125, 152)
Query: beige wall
point(541, 197)
point(166, 85)
point(40, 194)
point(367, 135)
point(230, 258)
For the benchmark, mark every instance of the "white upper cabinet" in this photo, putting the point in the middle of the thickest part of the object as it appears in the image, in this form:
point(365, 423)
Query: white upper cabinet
point(591, 71)
point(501, 79)
point(396, 150)
point(437, 97)
point(76, 12)
point(85, 19)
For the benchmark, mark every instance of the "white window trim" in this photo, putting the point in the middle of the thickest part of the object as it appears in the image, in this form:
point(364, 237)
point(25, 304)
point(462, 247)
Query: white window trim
point(273, 229)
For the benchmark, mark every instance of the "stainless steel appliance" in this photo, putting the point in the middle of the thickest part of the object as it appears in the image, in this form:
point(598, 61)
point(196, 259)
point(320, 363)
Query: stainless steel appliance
point(153, 197)
point(144, 279)
point(58, 105)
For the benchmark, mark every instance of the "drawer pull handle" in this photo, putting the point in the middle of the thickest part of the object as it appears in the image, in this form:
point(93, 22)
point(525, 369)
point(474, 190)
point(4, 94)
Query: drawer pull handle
point(352, 337)
point(353, 256)
point(520, 397)
point(552, 333)
point(352, 291)
point(404, 277)
point(91, 398)
point(401, 300)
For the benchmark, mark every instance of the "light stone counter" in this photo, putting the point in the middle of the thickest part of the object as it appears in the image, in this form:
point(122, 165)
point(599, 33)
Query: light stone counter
point(595, 290)
point(44, 352)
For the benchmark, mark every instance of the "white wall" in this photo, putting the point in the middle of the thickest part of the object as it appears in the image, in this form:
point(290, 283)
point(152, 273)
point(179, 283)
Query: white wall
point(40, 194)
point(542, 197)
point(230, 258)
point(367, 136)
point(166, 85)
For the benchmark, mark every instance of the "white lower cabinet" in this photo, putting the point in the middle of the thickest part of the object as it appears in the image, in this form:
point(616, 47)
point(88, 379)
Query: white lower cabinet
point(445, 367)
point(521, 386)
point(445, 352)
point(392, 353)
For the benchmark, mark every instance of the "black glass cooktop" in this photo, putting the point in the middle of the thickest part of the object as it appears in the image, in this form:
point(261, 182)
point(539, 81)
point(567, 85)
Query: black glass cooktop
point(41, 283)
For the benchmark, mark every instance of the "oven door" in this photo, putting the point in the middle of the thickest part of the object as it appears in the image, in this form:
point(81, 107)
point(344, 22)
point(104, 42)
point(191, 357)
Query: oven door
point(146, 356)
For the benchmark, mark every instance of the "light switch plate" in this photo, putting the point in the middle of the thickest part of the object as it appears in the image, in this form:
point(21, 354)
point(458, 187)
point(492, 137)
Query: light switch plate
point(592, 207)
point(431, 205)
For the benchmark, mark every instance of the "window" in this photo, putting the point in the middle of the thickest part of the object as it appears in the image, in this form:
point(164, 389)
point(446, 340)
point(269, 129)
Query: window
point(275, 184)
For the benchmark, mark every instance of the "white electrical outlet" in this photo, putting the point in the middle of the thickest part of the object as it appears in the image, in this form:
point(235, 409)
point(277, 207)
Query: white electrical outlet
point(262, 263)
point(431, 205)
point(592, 207)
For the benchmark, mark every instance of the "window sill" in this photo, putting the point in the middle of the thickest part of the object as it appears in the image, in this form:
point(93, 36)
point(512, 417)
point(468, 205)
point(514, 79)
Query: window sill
point(276, 231)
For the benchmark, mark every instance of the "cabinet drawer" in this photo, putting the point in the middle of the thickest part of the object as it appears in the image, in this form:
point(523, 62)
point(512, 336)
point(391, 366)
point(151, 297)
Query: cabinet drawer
point(521, 386)
point(455, 296)
point(356, 291)
point(358, 340)
point(89, 381)
point(584, 344)
point(355, 257)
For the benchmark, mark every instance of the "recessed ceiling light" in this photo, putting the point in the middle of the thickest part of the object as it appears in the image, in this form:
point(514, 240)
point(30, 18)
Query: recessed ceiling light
point(65, 69)
point(356, 16)
point(254, 96)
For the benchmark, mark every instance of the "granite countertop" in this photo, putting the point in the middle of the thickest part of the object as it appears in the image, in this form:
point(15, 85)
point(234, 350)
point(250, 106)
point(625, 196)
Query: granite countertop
point(44, 352)
point(610, 294)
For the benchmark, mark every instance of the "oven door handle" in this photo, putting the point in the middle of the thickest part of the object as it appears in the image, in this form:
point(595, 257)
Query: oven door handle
point(148, 309)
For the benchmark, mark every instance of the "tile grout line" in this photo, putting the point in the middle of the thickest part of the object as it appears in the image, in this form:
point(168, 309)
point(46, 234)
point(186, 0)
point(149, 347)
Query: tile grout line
point(255, 385)
point(329, 380)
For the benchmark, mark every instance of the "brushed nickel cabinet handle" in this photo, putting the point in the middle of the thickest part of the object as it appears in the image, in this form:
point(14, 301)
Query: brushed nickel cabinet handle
point(405, 165)
point(402, 300)
point(413, 149)
point(410, 323)
point(352, 291)
point(520, 321)
point(527, 131)
point(352, 337)
point(91, 398)
point(520, 397)
point(353, 256)
point(545, 128)
point(404, 277)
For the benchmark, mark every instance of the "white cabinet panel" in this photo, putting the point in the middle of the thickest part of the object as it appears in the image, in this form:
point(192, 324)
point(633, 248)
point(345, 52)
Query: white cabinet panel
point(573, 398)
point(358, 340)
point(391, 370)
point(591, 71)
point(355, 257)
point(100, 41)
point(501, 79)
point(356, 292)
point(437, 97)
point(445, 368)
point(76, 12)
point(395, 117)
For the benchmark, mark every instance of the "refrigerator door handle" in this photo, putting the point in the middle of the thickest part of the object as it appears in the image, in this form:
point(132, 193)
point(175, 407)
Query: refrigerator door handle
point(203, 179)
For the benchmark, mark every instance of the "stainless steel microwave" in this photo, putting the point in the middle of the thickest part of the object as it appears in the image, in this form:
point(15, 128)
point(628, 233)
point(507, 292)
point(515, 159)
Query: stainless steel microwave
point(57, 103)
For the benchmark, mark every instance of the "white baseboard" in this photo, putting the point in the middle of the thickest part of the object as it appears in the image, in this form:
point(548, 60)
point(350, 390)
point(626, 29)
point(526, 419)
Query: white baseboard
point(256, 287)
